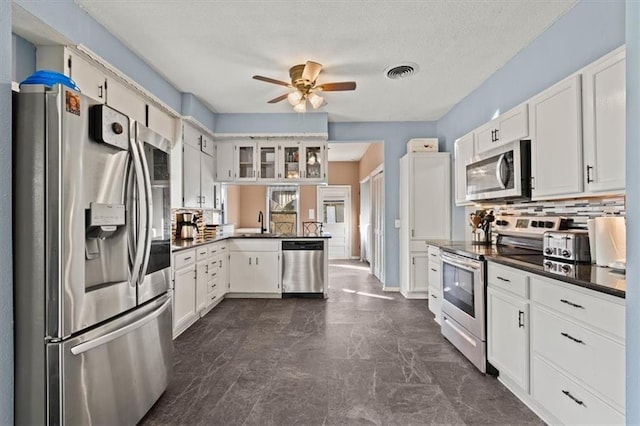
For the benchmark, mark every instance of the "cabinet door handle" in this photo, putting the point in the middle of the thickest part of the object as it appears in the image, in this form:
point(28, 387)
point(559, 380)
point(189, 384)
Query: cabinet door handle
point(497, 135)
point(493, 136)
point(576, 400)
point(257, 260)
point(533, 182)
point(503, 279)
point(575, 305)
point(229, 173)
point(100, 91)
point(203, 199)
point(412, 233)
point(220, 263)
point(249, 261)
point(434, 270)
point(413, 260)
point(206, 269)
point(570, 337)
point(520, 319)
point(589, 179)
point(434, 296)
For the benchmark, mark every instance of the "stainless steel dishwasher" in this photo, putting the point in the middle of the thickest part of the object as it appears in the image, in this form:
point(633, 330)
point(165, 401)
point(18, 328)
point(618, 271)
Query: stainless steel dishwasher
point(303, 268)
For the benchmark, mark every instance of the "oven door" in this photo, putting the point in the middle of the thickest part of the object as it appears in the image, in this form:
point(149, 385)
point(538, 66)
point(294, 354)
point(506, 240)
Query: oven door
point(463, 292)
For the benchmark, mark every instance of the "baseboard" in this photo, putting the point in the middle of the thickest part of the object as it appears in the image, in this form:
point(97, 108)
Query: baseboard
point(390, 289)
point(253, 296)
point(414, 295)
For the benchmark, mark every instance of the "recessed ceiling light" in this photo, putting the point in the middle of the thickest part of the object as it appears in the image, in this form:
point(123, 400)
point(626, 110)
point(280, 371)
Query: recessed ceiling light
point(404, 70)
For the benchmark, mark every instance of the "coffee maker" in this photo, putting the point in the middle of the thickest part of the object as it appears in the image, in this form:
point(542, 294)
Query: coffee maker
point(186, 226)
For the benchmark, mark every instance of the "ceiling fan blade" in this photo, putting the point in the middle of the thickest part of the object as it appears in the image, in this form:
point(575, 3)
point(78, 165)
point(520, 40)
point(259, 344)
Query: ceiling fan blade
point(336, 87)
point(278, 99)
point(311, 71)
point(271, 80)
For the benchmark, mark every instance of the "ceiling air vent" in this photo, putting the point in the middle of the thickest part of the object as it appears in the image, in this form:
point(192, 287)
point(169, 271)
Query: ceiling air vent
point(401, 71)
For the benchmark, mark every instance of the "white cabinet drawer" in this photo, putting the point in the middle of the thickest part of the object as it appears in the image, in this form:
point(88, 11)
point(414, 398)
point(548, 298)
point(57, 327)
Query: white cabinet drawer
point(434, 253)
point(568, 401)
point(435, 302)
point(419, 246)
point(434, 274)
point(202, 253)
point(214, 249)
point(183, 258)
point(584, 305)
point(593, 359)
point(508, 279)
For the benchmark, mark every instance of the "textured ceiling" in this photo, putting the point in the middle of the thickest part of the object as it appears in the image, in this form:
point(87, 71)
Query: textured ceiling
point(213, 48)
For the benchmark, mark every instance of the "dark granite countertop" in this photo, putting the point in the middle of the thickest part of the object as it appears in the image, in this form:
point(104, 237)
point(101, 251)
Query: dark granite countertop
point(178, 245)
point(593, 277)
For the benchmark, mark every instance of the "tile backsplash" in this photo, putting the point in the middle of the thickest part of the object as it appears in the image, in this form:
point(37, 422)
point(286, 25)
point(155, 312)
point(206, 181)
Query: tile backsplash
point(579, 209)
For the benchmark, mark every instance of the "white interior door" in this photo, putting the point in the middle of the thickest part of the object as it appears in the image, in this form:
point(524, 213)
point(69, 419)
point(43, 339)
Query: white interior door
point(377, 226)
point(365, 220)
point(334, 211)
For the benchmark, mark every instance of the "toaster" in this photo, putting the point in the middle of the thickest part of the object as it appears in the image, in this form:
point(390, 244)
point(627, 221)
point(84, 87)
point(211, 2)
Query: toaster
point(570, 246)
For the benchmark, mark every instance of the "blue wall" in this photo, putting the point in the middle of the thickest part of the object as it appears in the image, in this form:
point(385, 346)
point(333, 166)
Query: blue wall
point(23, 58)
point(586, 32)
point(395, 136)
point(6, 257)
point(71, 21)
point(193, 107)
point(633, 212)
point(311, 122)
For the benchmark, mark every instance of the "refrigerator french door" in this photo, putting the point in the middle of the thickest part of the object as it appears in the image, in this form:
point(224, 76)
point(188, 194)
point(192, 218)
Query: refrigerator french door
point(92, 345)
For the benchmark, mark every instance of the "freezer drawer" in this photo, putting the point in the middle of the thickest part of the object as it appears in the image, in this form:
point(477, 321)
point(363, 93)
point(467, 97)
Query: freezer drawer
point(113, 374)
point(303, 267)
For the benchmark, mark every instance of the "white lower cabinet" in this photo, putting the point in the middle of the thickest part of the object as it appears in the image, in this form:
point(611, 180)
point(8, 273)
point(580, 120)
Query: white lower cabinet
point(185, 310)
point(254, 267)
point(435, 282)
point(559, 347)
point(419, 277)
point(202, 281)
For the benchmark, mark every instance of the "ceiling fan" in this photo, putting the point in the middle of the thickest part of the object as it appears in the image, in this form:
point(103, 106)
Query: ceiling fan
point(303, 80)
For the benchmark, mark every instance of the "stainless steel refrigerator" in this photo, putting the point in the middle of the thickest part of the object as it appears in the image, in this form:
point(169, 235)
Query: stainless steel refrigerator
point(93, 342)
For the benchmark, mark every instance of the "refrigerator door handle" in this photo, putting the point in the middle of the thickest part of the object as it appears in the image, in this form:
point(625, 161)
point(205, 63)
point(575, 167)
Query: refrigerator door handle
point(148, 207)
point(106, 338)
point(140, 208)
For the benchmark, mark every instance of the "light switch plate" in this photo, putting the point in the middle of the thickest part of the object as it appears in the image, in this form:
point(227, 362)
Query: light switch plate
point(312, 214)
point(397, 224)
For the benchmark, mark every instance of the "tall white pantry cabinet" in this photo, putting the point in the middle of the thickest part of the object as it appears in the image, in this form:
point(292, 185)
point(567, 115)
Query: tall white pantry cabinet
point(425, 214)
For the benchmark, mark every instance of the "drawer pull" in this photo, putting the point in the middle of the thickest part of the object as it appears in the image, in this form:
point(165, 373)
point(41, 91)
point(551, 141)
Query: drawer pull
point(520, 319)
point(434, 296)
point(566, 302)
point(503, 279)
point(570, 337)
point(186, 258)
point(434, 269)
point(433, 255)
point(576, 400)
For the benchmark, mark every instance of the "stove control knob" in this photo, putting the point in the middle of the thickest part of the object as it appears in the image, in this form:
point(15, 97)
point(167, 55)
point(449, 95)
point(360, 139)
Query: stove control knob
point(566, 268)
point(534, 223)
point(548, 224)
point(566, 253)
point(548, 250)
point(548, 264)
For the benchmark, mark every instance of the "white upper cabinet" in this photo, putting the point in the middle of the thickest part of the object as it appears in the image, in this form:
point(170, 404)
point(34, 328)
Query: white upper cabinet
point(199, 189)
point(225, 161)
point(315, 164)
point(161, 122)
point(508, 127)
point(291, 161)
point(604, 109)
point(88, 78)
point(429, 199)
point(246, 161)
point(267, 162)
point(464, 151)
point(125, 100)
point(556, 141)
point(190, 176)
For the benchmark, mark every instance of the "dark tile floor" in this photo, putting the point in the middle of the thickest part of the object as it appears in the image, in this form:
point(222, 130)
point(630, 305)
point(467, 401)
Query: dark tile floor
point(360, 357)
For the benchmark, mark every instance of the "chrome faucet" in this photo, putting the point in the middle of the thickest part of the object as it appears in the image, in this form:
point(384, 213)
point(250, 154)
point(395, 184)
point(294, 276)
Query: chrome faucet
point(261, 220)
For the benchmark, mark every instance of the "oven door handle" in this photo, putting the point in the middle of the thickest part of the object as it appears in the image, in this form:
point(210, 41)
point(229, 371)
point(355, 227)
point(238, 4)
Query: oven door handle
point(456, 261)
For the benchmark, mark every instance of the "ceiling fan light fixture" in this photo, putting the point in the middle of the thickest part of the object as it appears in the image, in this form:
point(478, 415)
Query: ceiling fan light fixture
point(300, 106)
point(315, 100)
point(294, 97)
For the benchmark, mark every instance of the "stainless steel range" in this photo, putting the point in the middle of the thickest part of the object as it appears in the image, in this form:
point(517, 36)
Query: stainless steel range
point(464, 279)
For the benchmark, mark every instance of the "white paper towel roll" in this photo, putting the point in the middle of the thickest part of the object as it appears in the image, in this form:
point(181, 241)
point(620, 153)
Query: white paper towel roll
point(591, 227)
point(610, 239)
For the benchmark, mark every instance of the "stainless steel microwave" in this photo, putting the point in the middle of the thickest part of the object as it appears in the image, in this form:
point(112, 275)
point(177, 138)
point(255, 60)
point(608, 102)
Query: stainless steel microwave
point(503, 173)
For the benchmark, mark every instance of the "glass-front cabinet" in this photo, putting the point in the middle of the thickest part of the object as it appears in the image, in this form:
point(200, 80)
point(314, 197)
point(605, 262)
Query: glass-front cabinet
point(314, 161)
point(267, 162)
point(290, 156)
point(246, 161)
